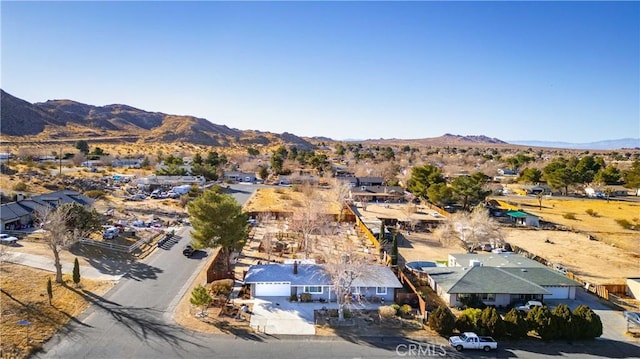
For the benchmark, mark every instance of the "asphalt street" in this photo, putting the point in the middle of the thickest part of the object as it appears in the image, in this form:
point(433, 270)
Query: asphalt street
point(133, 320)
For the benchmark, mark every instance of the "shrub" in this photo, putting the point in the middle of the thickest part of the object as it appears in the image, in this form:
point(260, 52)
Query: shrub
point(622, 222)
point(516, 324)
point(571, 216)
point(20, 186)
point(588, 324)
point(469, 320)
point(306, 297)
point(395, 307)
point(387, 312)
point(95, 193)
point(591, 212)
point(442, 321)
point(542, 321)
point(405, 310)
point(492, 323)
point(472, 301)
point(564, 322)
point(293, 298)
point(347, 313)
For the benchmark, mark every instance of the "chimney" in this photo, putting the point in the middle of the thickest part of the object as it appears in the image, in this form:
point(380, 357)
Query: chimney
point(295, 267)
point(20, 197)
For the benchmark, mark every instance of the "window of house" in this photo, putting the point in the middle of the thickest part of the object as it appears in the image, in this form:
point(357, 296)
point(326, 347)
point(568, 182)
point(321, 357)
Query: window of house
point(489, 297)
point(313, 289)
point(381, 290)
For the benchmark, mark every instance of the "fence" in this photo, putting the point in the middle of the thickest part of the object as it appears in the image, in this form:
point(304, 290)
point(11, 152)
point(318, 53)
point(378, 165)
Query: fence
point(117, 247)
point(213, 274)
point(436, 208)
point(365, 229)
point(405, 280)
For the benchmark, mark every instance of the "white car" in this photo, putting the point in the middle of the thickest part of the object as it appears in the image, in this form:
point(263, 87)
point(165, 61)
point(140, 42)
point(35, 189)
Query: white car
point(7, 239)
point(530, 305)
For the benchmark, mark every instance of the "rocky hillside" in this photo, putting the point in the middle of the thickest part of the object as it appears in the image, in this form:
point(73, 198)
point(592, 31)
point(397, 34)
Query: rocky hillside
point(60, 119)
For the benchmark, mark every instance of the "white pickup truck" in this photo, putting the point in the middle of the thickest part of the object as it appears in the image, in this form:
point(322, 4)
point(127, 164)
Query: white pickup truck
point(470, 340)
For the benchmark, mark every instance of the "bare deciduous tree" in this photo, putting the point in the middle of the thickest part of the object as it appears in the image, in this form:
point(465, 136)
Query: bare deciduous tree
point(344, 269)
point(470, 230)
point(57, 235)
point(310, 217)
point(340, 190)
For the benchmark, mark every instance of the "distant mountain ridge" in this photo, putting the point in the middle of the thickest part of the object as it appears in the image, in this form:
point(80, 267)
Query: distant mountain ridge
point(598, 145)
point(60, 119)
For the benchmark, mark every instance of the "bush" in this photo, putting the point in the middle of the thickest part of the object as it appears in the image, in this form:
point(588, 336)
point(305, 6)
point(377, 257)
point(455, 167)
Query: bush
point(306, 297)
point(95, 193)
point(542, 321)
point(442, 321)
point(622, 222)
point(472, 301)
point(387, 312)
point(469, 320)
point(564, 322)
point(571, 216)
point(347, 313)
point(587, 323)
point(20, 186)
point(516, 324)
point(591, 212)
point(492, 323)
point(293, 298)
point(405, 310)
point(396, 307)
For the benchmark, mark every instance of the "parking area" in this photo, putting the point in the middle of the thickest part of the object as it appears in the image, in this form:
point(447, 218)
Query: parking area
point(277, 315)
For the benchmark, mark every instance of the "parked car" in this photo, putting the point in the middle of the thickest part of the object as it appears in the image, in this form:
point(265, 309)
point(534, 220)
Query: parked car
point(188, 251)
point(7, 239)
point(530, 305)
point(111, 233)
point(470, 340)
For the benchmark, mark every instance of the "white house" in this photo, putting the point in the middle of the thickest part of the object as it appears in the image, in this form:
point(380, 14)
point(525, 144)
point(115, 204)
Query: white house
point(284, 280)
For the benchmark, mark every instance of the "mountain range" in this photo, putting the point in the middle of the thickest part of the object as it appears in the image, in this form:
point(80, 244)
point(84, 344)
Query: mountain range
point(60, 120)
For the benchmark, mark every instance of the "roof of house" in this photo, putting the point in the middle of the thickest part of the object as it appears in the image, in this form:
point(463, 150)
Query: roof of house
point(14, 210)
point(544, 277)
point(519, 214)
point(378, 190)
point(496, 260)
point(482, 280)
point(316, 274)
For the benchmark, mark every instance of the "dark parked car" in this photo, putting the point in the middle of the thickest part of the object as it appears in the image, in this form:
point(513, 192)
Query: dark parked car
point(188, 251)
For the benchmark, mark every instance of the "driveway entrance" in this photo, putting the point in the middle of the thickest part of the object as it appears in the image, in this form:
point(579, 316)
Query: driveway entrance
point(277, 315)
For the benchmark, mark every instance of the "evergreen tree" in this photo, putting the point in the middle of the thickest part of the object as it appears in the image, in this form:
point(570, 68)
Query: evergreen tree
point(200, 297)
point(83, 146)
point(394, 250)
point(76, 272)
point(469, 320)
point(492, 323)
point(49, 290)
point(564, 322)
point(541, 320)
point(442, 321)
point(516, 324)
point(587, 323)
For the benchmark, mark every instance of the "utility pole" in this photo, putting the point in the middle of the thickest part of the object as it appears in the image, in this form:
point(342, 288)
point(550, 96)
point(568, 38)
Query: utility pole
point(60, 160)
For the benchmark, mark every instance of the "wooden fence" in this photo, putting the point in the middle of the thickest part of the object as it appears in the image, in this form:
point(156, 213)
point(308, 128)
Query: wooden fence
point(433, 207)
point(213, 274)
point(365, 229)
point(406, 280)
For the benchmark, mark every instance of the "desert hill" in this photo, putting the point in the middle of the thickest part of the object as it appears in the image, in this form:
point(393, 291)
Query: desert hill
point(67, 119)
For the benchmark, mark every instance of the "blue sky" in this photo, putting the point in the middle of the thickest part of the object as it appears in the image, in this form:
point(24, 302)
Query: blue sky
point(556, 71)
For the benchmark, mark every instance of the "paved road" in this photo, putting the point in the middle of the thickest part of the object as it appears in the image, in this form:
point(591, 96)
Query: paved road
point(133, 321)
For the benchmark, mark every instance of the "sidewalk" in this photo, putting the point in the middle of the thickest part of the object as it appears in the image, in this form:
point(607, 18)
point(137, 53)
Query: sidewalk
point(46, 263)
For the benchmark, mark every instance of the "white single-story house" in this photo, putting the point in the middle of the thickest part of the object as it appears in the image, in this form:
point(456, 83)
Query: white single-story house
point(524, 218)
point(500, 279)
point(240, 176)
point(285, 280)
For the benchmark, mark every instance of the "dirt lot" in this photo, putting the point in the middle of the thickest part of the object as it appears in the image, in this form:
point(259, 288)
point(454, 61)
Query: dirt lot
point(27, 300)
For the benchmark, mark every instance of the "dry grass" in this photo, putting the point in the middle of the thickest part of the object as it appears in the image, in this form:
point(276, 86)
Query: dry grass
point(24, 297)
point(286, 199)
point(603, 226)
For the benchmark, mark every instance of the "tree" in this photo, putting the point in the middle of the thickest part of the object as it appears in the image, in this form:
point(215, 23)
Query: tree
point(442, 321)
point(197, 159)
point(542, 321)
point(588, 323)
point(470, 230)
point(422, 178)
point(49, 290)
point(263, 172)
point(565, 322)
point(340, 194)
point(587, 167)
point(218, 221)
point(311, 217)
point(470, 189)
point(540, 197)
point(200, 297)
point(344, 269)
point(516, 324)
point(530, 175)
point(209, 172)
point(632, 176)
point(394, 249)
point(76, 272)
point(277, 164)
point(559, 174)
point(440, 194)
point(609, 175)
point(492, 323)
point(469, 320)
point(252, 151)
point(82, 146)
point(63, 226)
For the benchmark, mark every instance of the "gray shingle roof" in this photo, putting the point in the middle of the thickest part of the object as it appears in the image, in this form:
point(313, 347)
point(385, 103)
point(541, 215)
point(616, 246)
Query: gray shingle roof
point(503, 260)
point(482, 280)
point(544, 277)
point(316, 274)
